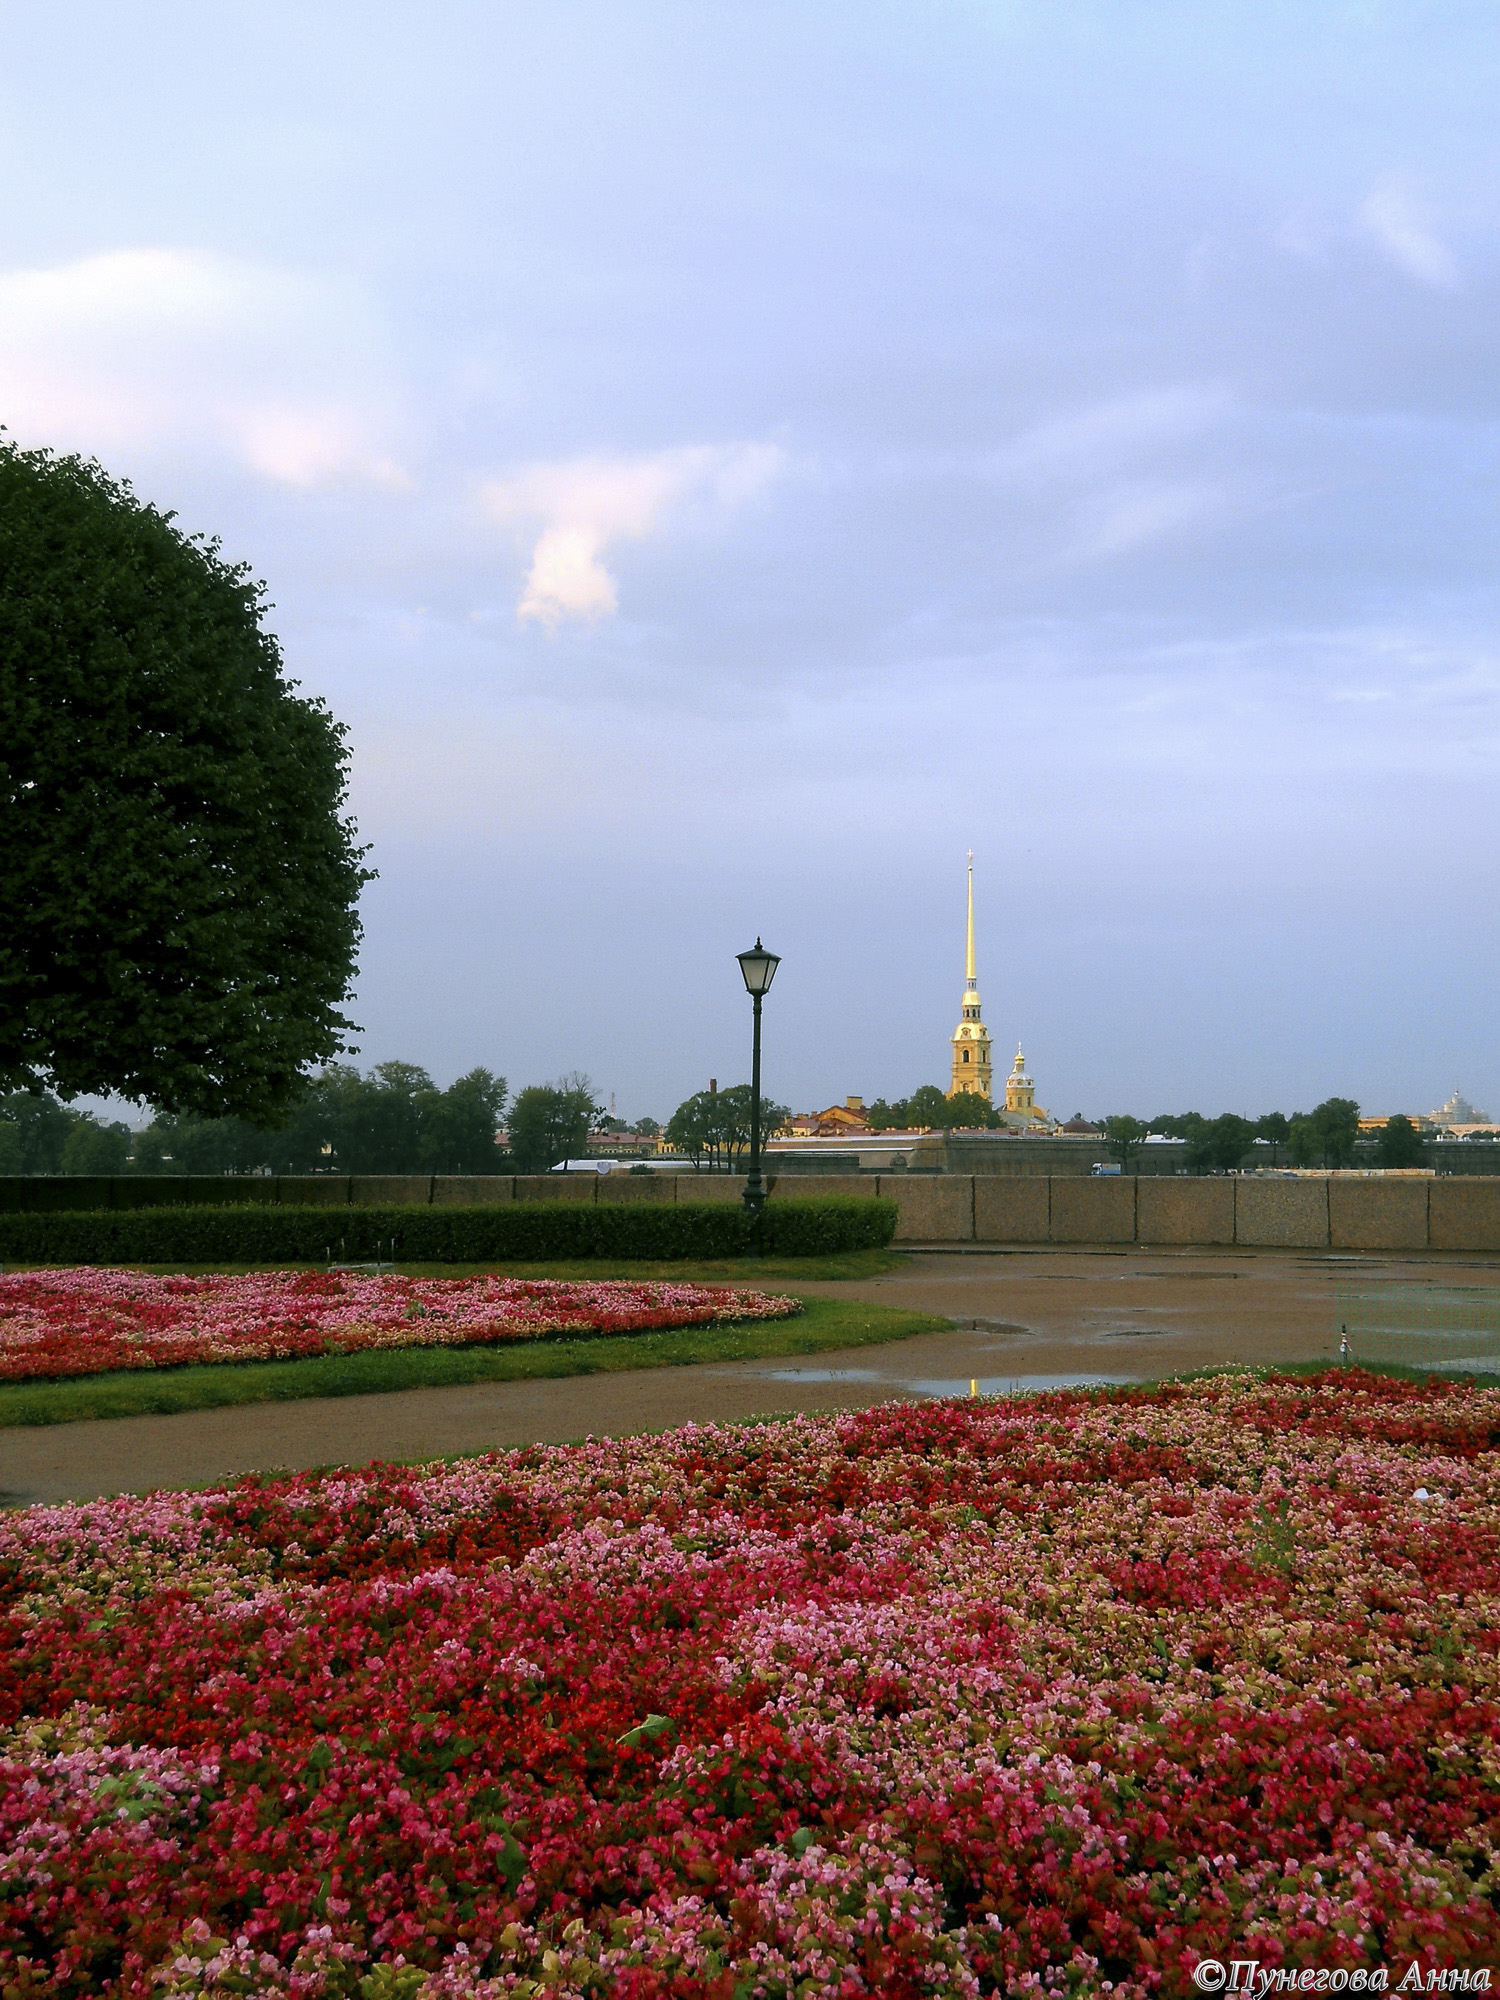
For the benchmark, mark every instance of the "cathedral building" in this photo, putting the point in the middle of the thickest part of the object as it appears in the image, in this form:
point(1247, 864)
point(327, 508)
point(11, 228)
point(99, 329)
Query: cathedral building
point(1020, 1096)
point(973, 1069)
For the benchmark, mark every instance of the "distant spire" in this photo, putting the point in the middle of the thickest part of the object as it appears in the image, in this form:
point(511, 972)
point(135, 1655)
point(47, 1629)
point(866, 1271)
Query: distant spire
point(970, 980)
point(971, 1044)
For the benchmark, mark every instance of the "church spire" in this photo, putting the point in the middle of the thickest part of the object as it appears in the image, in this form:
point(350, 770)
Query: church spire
point(971, 1043)
point(971, 983)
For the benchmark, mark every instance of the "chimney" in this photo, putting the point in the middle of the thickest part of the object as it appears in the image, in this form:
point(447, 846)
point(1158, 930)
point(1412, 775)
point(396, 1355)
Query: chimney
point(713, 1086)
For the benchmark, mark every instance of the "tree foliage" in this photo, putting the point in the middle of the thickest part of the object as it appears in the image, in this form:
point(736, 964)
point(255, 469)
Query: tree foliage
point(392, 1121)
point(931, 1108)
point(1219, 1145)
point(550, 1122)
point(1325, 1136)
point(1123, 1138)
point(179, 882)
point(1274, 1128)
point(713, 1128)
point(93, 1147)
point(1401, 1144)
point(34, 1129)
point(40, 1136)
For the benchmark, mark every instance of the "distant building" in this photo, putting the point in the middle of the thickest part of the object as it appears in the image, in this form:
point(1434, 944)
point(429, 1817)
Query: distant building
point(635, 1143)
point(838, 1118)
point(1020, 1097)
point(1457, 1119)
point(1459, 1111)
point(973, 1067)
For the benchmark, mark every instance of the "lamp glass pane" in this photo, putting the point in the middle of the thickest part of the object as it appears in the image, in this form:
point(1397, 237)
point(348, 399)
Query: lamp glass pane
point(759, 967)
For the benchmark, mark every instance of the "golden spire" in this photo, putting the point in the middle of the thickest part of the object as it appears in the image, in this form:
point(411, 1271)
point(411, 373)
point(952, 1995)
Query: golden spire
point(971, 1042)
point(971, 982)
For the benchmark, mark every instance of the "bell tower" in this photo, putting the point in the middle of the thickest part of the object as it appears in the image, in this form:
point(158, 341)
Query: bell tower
point(971, 1042)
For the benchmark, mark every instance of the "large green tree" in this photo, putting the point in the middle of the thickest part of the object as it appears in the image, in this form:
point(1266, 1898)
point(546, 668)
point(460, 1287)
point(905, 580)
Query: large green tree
point(392, 1121)
point(1325, 1136)
point(930, 1106)
point(1401, 1144)
point(1275, 1128)
point(713, 1127)
point(550, 1122)
point(456, 1126)
point(34, 1129)
point(179, 879)
point(1219, 1144)
point(1123, 1138)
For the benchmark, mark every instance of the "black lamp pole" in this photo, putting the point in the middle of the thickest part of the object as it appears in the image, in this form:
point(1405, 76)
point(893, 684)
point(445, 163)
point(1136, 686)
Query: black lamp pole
point(759, 969)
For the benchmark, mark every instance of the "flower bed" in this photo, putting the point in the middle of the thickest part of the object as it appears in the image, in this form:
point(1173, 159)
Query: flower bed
point(57, 1323)
point(1058, 1696)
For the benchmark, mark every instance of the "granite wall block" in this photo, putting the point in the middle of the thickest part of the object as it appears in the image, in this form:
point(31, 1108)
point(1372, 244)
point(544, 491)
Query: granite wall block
point(1282, 1215)
point(1093, 1211)
point(1378, 1215)
point(472, 1190)
point(1011, 1208)
point(390, 1190)
point(1464, 1214)
point(934, 1208)
point(1184, 1211)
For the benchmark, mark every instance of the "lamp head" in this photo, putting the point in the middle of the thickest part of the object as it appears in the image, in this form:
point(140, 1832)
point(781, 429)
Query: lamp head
point(759, 967)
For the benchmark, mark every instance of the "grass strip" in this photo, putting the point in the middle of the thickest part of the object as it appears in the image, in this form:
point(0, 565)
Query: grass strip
point(823, 1324)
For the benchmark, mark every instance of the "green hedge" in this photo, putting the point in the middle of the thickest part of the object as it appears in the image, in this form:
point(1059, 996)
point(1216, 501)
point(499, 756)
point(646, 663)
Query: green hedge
point(24, 1193)
point(530, 1232)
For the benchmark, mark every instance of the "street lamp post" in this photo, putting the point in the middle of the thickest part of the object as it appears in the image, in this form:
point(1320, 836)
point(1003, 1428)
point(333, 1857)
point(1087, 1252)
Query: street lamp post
point(759, 967)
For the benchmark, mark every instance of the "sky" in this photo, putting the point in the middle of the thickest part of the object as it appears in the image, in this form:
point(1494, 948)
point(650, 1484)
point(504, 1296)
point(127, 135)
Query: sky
point(724, 463)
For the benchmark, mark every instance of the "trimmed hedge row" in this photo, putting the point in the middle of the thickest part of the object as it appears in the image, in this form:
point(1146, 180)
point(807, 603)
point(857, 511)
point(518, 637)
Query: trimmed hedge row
point(530, 1232)
point(43, 1193)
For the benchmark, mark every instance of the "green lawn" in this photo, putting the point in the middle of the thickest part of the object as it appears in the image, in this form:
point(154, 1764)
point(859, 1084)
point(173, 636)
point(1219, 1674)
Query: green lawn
point(823, 1324)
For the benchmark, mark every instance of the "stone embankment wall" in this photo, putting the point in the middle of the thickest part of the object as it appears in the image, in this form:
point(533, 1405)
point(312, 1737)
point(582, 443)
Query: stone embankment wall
point(1443, 1213)
point(989, 1153)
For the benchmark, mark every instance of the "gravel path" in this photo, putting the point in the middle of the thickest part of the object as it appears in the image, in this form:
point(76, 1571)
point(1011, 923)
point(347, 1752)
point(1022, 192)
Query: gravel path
point(1029, 1320)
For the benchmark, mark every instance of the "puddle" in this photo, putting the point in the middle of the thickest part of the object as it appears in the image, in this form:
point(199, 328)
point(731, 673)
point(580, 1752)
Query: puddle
point(942, 1385)
point(1018, 1385)
point(827, 1375)
point(1136, 1333)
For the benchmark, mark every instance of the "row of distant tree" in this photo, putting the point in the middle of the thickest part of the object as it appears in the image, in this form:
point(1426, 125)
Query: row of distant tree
point(395, 1120)
point(1323, 1137)
point(932, 1107)
point(712, 1129)
point(392, 1120)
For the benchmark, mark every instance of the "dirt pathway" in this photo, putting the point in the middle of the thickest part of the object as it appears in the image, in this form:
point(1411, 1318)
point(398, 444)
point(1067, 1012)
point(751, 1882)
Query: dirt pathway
point(1021, 1321)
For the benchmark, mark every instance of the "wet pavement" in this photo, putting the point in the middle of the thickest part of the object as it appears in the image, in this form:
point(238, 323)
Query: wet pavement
point(1021, 1320)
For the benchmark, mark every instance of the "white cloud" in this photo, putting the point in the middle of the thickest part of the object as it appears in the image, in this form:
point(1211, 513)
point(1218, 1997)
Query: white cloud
point(181, 350)
point(1125, 474)
point(1139, 513)
point(1394, 217)
point(577, 507)
point(1107, 435)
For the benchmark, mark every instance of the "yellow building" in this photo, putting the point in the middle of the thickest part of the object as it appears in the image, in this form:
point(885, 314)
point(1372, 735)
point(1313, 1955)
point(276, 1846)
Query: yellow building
point(972, 1069)
point(1020, 1095)
point(972, 1066)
